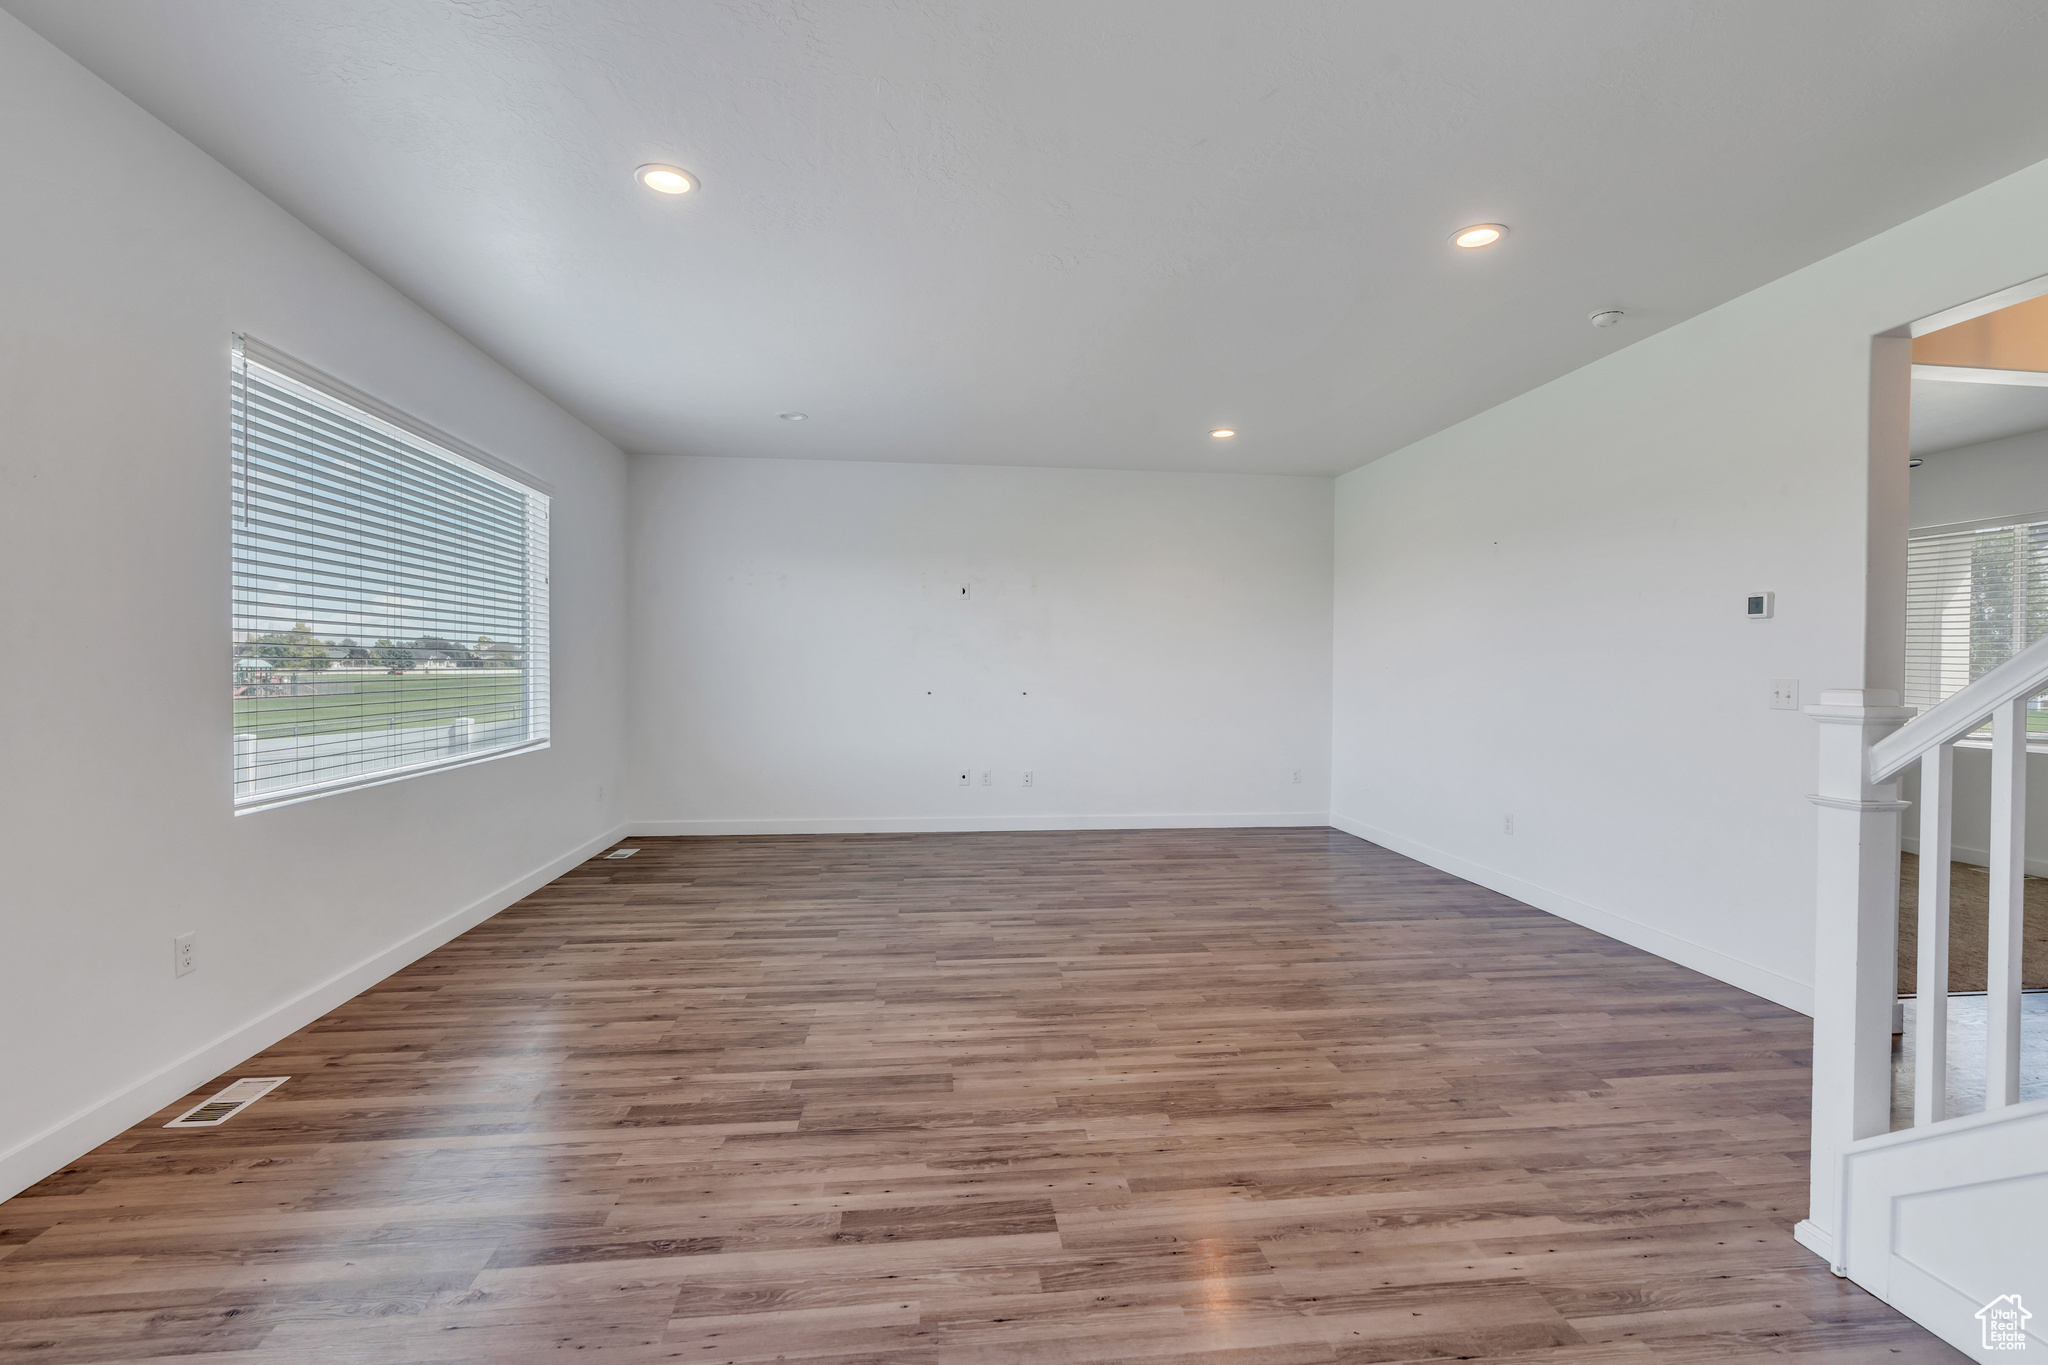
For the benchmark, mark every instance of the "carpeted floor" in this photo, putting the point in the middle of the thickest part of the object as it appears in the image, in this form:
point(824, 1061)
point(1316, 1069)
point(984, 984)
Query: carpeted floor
point(1968, 915)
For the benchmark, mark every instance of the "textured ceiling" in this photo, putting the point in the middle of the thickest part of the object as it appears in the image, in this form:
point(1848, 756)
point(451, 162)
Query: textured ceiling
point(1041, 232)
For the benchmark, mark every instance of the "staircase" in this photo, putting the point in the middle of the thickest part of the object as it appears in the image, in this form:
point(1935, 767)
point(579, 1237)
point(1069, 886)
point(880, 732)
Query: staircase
point(1945, 1217)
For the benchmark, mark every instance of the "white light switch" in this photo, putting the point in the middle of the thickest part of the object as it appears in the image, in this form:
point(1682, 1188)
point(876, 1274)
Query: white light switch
point(1784, 694)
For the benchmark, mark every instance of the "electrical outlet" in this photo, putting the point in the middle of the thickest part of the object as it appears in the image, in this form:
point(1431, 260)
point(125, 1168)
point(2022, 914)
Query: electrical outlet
point(1027, 779)
point(600, 794)
point(1507, 824)
point(184, 954)
point(1784, 694)
point(966, 778)
point(1297, 777)
point(987, 777)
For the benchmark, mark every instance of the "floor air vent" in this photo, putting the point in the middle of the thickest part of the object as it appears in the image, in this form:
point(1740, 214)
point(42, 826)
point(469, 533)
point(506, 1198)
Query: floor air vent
point(622, 853)
point(228, 1102)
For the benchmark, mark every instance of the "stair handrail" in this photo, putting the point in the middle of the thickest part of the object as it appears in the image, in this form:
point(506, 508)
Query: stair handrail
point(2024, 675)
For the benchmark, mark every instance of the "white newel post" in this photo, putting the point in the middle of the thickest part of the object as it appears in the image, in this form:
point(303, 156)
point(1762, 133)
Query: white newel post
point(1855, 968)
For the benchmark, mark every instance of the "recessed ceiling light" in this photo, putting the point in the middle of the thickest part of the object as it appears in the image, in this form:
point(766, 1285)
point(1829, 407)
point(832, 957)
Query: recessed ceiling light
point(1478, 235)
point(794, 416)
point(666, 179)
point(1223, 433)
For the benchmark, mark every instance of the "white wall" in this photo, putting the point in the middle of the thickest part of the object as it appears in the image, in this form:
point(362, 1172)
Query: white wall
point(1154, 648)
point(1539, 611)
point(2007, 477)
point(130, 257)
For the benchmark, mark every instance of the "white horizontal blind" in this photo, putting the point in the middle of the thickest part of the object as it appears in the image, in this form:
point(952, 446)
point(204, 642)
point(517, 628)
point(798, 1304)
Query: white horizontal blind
point(390, 597)
point(1974, 596)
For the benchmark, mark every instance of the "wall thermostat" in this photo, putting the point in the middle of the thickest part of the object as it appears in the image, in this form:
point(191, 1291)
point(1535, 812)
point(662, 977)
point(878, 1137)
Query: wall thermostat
point(1759, 605)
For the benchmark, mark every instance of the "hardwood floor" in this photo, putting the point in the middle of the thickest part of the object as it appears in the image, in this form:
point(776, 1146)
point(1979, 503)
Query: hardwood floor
point(1250, 1097)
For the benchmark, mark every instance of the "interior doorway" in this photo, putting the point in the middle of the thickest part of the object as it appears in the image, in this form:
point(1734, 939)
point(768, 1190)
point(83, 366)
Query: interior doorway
point(1976, 594)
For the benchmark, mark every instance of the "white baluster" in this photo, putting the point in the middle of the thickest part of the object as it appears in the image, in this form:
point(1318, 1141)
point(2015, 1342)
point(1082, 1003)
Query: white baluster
point(2008, 902)
point(1930, 1009)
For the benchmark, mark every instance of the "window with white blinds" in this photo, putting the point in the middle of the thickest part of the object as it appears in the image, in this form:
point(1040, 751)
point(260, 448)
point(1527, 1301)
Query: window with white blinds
point(390, 592)
point(1975, 595)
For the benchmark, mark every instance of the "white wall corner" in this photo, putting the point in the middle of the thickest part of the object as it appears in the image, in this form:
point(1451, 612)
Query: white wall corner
point(53, 1148)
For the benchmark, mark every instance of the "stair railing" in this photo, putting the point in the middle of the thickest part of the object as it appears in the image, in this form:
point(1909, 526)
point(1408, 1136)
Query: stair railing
point(1867, 739)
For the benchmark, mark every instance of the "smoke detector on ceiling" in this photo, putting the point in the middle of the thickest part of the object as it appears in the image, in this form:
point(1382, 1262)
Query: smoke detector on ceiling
point(1606, 317)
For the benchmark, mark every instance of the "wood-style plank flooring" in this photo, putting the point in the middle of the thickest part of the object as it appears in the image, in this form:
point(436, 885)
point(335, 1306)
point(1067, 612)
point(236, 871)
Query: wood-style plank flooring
point(1255, 1097)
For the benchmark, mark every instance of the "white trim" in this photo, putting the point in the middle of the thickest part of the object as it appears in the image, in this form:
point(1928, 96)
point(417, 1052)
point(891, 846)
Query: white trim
point(1847, 803)
point(1969, 374)
point(1748, 976)
point(966, 824)
point(66, 1141)
point(1977, 308)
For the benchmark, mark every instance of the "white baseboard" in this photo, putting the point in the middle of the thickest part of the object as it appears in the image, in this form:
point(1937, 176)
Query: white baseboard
point(1817, 1240)
point(1748, 976)
point(2036, 867)
point(941, 824)
point(53, 1148)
